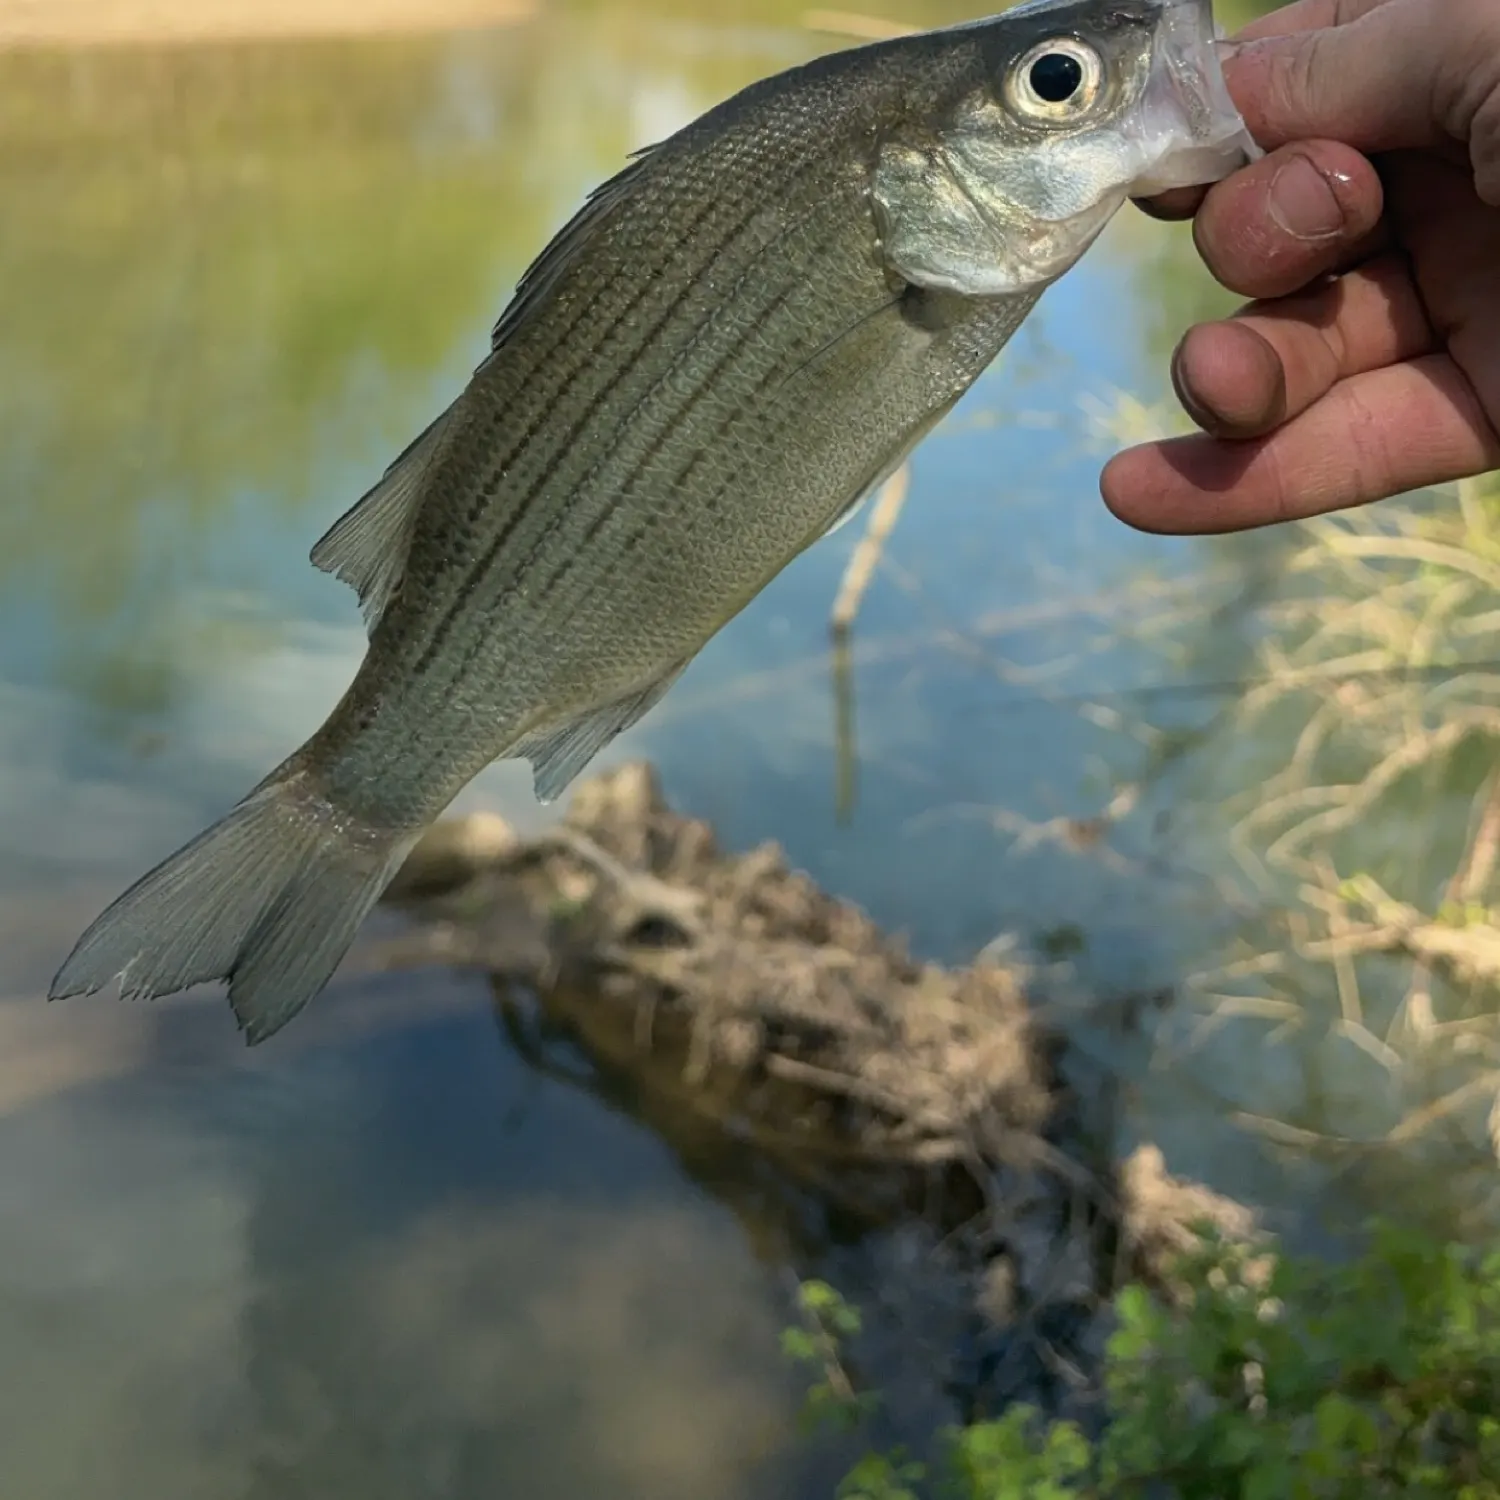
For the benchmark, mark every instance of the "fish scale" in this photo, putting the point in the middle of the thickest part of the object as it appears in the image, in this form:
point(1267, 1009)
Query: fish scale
point(636, 436)
point(637, 428)
point(618, 431)
point(744, 351)
point(729, 345)
point(619, 298)
point(522, 367)
point(680, 322)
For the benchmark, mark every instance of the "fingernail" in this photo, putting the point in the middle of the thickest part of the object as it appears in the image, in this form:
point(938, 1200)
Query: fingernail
point(1302, 201)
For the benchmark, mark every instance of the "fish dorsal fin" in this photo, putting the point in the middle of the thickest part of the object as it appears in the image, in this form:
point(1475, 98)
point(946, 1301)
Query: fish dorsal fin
point(548, 268)
point(367, 547)
point(559, 752)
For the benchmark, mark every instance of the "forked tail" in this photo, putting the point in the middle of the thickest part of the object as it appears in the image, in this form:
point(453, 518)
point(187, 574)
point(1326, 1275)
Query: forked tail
point(269, 898)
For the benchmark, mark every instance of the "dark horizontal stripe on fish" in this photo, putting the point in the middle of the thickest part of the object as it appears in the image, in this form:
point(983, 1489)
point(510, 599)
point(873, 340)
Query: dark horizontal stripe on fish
point(545, 357)
point(630, 482)
point(670, 422)
point(522, 507)
point(546, 407)
point(710, 502)
point(675, 418)
point(547, 399)
point(715, 497)
point(775, 375)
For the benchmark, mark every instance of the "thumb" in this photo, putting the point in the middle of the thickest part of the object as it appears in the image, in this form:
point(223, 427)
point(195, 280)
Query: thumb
point(1403, 75)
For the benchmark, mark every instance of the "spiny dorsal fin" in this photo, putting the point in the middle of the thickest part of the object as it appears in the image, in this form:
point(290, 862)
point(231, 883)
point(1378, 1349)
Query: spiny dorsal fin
point(367, 546)
point(547, 269)
point(558, 753)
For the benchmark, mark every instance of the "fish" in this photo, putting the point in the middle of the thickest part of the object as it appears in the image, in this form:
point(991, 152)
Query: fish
point(736, 339)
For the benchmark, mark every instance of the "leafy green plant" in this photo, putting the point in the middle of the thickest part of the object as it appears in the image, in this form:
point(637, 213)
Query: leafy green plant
point(1265, 1379)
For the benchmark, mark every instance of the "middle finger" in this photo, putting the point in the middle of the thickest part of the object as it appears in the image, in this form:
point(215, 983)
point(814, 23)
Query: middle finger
point(1275, 226)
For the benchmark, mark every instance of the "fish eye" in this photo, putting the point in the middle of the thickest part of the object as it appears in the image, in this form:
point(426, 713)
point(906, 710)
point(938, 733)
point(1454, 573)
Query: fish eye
point(1056, 80)
point(1055, 77)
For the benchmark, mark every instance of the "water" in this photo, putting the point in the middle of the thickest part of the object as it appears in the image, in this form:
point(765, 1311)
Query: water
point(386, 1256)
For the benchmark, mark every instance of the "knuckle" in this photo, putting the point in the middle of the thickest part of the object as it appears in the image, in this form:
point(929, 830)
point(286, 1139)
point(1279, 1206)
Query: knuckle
point(1484, 141)
point(1467, 72)
point(1366, 441)
point(1288, 86)
point(1304, 79)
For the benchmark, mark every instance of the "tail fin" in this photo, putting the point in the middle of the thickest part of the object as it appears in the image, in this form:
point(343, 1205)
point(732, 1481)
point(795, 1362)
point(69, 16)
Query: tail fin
point(269, 898)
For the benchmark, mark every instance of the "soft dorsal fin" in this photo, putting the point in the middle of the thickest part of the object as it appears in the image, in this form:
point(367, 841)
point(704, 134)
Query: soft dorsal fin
point(367, 547)
point(547, 269)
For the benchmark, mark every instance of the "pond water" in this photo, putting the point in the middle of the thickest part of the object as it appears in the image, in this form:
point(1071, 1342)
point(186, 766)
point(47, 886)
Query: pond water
point(384, 1256)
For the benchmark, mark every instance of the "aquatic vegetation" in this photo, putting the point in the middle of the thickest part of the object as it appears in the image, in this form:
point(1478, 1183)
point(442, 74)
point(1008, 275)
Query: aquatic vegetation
point(1284, 1379)
point(1368, 829)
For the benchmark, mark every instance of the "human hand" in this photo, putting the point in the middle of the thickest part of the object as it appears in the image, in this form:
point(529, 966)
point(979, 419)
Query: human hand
point(1370, 236)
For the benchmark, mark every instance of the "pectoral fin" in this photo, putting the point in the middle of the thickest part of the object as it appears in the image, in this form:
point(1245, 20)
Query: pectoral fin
point(853, 508)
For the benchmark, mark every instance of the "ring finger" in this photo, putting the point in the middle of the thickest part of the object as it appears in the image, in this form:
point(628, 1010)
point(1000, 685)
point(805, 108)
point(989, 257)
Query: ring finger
point(1273, 360)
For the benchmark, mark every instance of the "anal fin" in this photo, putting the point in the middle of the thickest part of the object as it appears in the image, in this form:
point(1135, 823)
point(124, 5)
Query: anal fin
point(559, 752)
point(368, 546)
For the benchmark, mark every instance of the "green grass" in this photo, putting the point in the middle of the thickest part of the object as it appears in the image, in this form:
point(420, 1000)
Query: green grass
point(1275, 1379)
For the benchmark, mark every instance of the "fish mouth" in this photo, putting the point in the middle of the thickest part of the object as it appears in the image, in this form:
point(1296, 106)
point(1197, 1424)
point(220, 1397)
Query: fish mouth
point(1186, 105)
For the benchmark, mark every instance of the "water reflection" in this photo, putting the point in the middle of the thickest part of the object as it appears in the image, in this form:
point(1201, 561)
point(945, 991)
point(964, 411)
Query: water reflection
point(220, 1289)
point(388, 1266)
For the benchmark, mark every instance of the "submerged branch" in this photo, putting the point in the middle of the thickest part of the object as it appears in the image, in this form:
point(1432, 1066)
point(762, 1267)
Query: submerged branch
point(760, 1011)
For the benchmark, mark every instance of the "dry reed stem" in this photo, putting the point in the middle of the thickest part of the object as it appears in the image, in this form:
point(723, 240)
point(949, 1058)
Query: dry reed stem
point(1351, 696)
point(866, 556)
